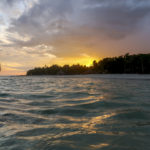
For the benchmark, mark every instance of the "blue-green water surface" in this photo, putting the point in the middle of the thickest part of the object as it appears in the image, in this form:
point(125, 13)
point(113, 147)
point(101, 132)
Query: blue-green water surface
point(91, 112)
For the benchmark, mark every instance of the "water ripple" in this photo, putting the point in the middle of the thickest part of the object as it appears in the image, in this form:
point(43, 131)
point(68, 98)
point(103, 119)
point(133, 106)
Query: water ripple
point(100, 112)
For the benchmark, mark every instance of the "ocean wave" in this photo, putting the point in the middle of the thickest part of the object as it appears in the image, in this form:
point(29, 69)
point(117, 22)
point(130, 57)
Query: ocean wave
point(75, 112)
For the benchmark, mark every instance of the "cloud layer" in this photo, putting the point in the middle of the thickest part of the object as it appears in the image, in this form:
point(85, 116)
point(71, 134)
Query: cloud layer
point(69, 28)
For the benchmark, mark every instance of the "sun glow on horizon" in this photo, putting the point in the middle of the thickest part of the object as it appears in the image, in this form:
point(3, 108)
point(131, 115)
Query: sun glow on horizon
point(82, 60)
point(15, 68)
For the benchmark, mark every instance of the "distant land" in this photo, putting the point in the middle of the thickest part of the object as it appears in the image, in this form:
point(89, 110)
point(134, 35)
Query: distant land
point(126, 64)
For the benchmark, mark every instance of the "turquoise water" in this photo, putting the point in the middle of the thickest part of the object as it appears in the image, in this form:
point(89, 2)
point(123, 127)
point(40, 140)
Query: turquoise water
point(95, 112)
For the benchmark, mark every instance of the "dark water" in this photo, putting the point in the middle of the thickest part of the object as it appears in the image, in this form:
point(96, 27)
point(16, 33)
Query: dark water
point(96, 112)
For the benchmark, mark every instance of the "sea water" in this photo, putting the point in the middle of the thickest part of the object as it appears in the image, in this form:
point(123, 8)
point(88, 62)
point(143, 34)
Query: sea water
point(87, 112)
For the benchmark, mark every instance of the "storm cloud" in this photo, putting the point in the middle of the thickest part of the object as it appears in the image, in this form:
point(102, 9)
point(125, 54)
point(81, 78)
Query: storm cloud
point(70, 28)
point(112, 17)
point(59, 23)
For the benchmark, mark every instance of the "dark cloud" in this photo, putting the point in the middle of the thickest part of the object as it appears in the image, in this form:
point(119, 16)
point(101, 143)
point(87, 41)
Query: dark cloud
point(5, 4)
point(44, 17)
point(11, 2)
point(8, 2)
point(116, 18)
point(82, 24)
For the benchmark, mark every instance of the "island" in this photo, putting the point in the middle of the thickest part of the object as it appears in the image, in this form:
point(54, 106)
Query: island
point(125, 64)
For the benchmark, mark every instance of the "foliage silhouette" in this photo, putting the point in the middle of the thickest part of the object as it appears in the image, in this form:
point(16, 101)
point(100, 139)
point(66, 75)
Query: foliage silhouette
point(139, 63)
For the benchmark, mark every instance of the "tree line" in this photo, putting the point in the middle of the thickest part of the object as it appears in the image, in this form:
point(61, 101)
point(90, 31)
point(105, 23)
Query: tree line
point(126, 64)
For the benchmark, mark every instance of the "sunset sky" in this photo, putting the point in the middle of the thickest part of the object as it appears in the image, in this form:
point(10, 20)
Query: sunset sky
point(38, 32)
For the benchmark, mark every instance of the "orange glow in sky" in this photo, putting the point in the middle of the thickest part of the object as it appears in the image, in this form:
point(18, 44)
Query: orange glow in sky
point(11, 69)
point(83, 60)
point(35, 33)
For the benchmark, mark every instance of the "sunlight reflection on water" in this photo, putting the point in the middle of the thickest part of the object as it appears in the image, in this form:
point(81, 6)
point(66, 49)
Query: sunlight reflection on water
point(75, 112)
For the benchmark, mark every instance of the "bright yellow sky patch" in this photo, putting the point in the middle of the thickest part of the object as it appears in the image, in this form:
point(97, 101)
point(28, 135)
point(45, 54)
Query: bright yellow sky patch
point(12, 68)
point(84, 59)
